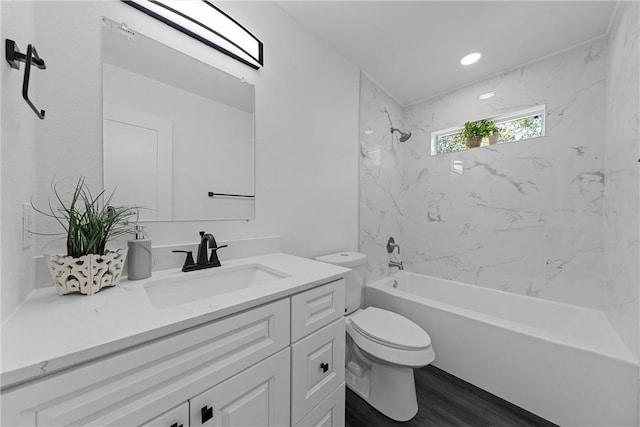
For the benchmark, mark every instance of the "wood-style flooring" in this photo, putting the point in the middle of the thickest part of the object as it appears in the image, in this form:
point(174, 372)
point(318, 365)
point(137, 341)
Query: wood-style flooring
point(443, 401)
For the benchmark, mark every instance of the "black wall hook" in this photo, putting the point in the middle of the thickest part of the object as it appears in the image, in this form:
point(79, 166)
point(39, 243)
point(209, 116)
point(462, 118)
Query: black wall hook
point(14, 57)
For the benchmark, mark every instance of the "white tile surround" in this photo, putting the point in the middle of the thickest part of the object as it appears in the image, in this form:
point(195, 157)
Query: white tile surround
point(381, 172)
point(525, 217)
point(622, 180)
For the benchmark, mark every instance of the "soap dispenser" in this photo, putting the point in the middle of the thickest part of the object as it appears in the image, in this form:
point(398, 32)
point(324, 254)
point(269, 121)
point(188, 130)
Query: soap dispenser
point(139, 256)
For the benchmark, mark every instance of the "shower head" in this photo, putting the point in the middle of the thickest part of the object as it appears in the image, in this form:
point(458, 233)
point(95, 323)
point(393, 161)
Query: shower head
point(403, 135)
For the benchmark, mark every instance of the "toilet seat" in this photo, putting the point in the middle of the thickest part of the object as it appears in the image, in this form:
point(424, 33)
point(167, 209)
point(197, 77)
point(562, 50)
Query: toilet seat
point(390, 329)
point(390, 337)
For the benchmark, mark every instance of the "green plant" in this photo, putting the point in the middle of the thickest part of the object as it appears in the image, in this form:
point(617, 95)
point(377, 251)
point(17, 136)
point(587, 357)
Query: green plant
point(480, 128)
point(488, 127)
point(89, 221)
point(471, 130)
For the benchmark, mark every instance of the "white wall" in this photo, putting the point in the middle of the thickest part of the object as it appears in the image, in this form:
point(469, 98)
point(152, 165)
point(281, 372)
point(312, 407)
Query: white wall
point(306, 124)
point(18, 167)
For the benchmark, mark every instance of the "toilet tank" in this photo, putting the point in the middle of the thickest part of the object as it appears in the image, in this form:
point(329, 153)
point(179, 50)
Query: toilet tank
point(355, 278)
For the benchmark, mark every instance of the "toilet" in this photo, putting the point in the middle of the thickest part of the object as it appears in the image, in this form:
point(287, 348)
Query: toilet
point(382, 347)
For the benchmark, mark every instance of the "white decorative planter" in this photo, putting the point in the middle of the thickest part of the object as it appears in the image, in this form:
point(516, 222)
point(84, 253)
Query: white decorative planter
point(87, 274)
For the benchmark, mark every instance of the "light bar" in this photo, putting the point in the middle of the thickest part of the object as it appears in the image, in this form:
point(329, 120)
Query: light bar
point(206, 23)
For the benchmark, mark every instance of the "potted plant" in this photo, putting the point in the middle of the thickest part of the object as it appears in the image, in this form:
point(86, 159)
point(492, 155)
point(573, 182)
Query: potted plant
point(489, 129)
point(89, 223)
point(473, 132)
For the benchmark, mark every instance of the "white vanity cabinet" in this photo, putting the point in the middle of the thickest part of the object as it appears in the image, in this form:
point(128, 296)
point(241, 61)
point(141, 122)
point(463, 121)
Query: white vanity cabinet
point(258, 396)
point(277, 364)
point(134, 386)
point(317, 356)
point(176, 417)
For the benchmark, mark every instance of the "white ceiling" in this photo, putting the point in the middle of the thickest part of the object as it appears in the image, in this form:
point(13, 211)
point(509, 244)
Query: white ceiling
point(413, 48)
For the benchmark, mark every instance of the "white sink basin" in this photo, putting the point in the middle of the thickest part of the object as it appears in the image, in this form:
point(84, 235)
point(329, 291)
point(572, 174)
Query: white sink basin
point(182, 288)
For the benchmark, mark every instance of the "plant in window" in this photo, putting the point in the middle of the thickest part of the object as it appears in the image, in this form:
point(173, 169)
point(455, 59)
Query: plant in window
point(489, 129)
point(473, 132)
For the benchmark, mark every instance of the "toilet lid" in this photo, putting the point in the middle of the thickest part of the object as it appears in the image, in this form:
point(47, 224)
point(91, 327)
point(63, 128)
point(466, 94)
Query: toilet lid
point(390, 329)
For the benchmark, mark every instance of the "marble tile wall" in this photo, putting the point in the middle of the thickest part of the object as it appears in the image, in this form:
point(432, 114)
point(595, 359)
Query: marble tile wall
point(524, 217)
point(381, 176)
point(622, 188)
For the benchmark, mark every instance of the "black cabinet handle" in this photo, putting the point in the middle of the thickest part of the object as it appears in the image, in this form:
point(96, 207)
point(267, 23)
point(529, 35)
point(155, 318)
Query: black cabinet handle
point(177, 425)
point(207, 413)
point(324, 367)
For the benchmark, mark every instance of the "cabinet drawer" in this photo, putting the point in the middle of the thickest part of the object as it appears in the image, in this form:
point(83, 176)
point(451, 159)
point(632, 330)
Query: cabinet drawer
point(317, 366)
point(257, 397)
point(146, 380)
point(316, 308)
point(329, 413)
point(176, 417)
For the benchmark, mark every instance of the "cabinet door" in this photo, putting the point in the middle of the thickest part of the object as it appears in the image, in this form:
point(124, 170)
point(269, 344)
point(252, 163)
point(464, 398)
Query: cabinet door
point(329, 413)
point(317, 366)
point(258, 396)
point(316, 308)
point(176, 417)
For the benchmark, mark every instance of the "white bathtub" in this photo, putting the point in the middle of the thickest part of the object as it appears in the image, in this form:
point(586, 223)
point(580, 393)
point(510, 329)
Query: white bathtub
point(562, 362)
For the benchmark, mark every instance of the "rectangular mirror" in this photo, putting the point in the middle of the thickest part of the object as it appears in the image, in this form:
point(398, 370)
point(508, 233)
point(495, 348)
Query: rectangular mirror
point(178, 134)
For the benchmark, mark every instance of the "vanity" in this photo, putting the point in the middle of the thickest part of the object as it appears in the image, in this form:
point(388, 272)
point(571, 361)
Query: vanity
point(267, 353)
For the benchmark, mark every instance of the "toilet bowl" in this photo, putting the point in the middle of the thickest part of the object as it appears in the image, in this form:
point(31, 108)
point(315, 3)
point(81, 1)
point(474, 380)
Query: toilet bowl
point(382, 347)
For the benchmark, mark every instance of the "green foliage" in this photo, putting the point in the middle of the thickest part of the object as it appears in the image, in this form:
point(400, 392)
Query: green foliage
point(524, 128)
point(451, 143)
point(488, 128)
point(89, 221)
point(481, 128)
point(471, 130)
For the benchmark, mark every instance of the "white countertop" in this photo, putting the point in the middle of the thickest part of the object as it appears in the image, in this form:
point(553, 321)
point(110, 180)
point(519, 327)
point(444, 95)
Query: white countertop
point(50, 332)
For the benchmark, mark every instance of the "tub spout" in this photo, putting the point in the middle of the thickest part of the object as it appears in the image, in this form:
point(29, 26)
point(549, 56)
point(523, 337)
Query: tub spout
point(396, 264)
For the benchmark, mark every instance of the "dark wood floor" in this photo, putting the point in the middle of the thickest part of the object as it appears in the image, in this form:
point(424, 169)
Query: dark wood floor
point(443, 401)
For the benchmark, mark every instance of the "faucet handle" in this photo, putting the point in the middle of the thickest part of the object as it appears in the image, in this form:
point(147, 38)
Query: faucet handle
point(188, 262)
point(213, 259)
point(391, 245)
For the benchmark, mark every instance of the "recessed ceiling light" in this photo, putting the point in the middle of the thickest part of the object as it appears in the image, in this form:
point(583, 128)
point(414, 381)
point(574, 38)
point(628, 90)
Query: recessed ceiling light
point(486, 95)
point(471, 58)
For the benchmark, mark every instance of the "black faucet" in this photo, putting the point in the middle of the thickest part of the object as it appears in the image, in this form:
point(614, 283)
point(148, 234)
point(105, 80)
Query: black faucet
point(207, 241)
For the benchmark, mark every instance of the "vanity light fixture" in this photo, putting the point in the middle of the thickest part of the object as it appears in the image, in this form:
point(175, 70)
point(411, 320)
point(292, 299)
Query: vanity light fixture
point(212, 27)
point(486, 95)
point(471, 58)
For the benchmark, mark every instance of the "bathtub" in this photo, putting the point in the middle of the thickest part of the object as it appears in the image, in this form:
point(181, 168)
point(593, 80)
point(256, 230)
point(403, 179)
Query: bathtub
point(562, 362)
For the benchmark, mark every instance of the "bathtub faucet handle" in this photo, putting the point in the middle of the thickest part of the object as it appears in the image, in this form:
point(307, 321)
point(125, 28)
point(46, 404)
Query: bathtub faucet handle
point(391, 245)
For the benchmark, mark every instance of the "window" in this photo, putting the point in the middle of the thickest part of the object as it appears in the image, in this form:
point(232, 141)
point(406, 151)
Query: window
point(516, 126)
